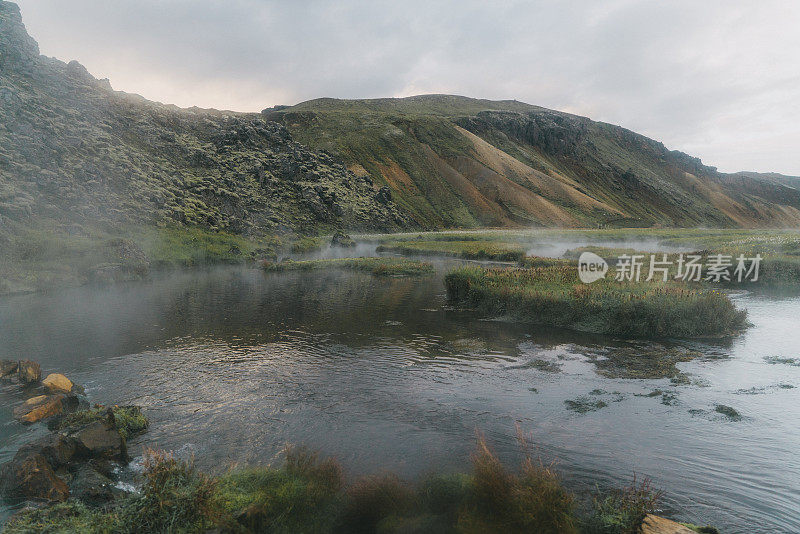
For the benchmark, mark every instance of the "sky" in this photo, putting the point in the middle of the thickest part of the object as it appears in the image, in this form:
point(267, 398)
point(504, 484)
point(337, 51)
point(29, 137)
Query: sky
point(718, 79)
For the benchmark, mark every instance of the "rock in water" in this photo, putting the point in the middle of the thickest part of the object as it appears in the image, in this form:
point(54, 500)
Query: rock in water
point(58, 383)
point(29, 372)
point(58, 449)
point(91, 487)
point(31, 477)
point(102, 439)
point(7, 368)
point(38, 408)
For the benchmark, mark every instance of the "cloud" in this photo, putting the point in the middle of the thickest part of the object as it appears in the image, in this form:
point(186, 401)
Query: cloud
point(717, 79)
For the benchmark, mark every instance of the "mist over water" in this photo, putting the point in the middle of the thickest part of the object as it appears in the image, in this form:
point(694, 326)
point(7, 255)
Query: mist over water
point(231, 364)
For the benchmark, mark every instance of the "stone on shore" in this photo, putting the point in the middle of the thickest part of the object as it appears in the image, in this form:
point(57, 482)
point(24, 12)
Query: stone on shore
point(58, 383)
point(7, 368)
point(29, 476)
point(29, 372)
point(37, 408)
point(653, 524)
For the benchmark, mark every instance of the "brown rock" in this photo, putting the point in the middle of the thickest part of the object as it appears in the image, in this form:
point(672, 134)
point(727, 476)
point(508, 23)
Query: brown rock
point(101, 439)
point(7, 368)
point(57, 449)
point(38, 408)
point(31, 477)
point(653, 524)
point(29, 372)
point(58, 383)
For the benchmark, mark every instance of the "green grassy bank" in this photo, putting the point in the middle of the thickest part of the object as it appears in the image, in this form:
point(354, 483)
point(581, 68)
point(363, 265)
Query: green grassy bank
point(553, 295)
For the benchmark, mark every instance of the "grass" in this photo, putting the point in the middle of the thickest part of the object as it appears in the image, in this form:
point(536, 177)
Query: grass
point(306, 244)
point(467, 249)
point(376, 266)
point(554, 296)
point(307, 494)
point(622, 511)
point(129, 419)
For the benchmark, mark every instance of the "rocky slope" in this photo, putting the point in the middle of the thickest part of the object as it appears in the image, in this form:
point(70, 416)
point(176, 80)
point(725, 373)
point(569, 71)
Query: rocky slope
point(456, 161)
point(72, 150)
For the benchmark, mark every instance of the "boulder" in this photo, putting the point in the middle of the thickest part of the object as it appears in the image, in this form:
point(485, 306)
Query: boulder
point(7, 368)
point(57, 449)
point(29, 372)
point(653, 524)
point(92, 487)
point(58, 383)
point(101, 439)
point(37, 408)
point(29, 476)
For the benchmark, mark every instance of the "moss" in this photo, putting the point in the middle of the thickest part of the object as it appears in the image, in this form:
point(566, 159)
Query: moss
point(63, 518)
point(129, 419)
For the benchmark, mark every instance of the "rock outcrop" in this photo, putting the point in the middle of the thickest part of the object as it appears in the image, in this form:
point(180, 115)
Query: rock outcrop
point(28, 372)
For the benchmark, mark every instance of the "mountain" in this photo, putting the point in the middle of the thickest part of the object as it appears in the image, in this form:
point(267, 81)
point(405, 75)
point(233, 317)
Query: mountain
point(76, 153)
point(73, 151)
point(456, 161)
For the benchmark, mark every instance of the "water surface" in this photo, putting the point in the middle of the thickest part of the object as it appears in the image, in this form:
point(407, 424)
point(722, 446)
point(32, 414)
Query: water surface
point(231, 364)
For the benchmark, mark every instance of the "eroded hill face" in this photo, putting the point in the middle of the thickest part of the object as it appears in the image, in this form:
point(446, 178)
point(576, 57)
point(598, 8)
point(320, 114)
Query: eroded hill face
point(72, 150)
point(455, 161)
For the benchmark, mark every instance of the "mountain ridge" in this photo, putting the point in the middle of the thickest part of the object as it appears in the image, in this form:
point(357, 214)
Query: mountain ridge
point(74, 151)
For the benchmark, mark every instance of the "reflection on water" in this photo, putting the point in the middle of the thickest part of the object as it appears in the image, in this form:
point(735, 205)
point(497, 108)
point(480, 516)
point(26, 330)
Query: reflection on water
point(231, 364)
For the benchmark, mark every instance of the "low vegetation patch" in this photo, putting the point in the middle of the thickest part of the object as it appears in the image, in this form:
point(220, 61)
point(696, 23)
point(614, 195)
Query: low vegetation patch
point(376, 266)
point(467, 249)
point(584, 404)
point(554, 296)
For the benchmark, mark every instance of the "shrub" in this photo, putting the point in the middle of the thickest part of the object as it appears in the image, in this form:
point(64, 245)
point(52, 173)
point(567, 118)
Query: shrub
point(375, 498)
point(622, 511)
point(175, 498)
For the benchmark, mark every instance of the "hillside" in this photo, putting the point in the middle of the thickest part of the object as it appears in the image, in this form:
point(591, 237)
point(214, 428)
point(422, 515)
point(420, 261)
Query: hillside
point(96, 182)
point(456, 161)
point(72, 150)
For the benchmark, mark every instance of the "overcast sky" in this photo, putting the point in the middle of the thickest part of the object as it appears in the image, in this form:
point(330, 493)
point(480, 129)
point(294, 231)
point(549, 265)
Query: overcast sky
point(718, 79)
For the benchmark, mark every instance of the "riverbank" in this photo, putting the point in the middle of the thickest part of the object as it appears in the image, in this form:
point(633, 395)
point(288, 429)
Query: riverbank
point(68, 478)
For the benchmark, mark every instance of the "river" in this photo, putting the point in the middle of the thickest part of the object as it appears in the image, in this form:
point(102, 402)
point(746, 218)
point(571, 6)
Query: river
point(231, 364)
